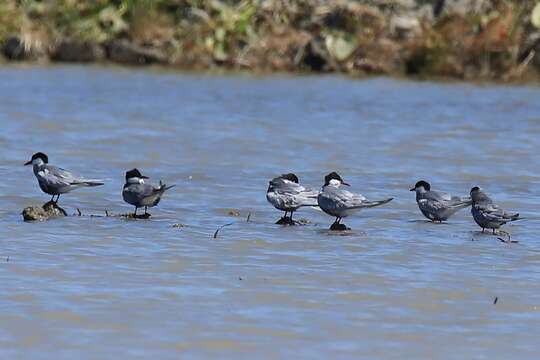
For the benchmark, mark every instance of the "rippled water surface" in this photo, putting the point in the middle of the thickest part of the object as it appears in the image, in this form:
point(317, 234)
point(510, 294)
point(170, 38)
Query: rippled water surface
point(395, 287)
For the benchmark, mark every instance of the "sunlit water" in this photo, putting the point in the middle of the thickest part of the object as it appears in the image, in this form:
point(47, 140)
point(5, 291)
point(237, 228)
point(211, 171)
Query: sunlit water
point(395, 287)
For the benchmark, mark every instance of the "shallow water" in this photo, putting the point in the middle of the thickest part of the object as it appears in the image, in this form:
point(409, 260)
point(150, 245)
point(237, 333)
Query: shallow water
point(394, 287)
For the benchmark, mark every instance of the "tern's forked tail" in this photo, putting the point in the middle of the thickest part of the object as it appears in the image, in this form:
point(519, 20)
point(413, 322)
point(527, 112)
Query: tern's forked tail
point(462, 204)
point(514, 217)
point(164, 187)
point(377, 203)
point(90, 183)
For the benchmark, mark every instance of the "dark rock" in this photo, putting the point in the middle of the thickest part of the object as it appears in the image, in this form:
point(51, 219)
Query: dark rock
point(47, 211)
point(125, 52)
point(138, 216)
point(78, 51)
point(15, 49)
point(531, 47)
point(288, 221)
point(339, 227)
point(285, 220)
point(383, 56)
point(315, 58)
point(438, 8)
point(417, 62)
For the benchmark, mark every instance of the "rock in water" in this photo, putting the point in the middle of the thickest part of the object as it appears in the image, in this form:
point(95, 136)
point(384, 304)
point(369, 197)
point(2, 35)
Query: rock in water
point(78, 51)
point(47, 211)
point(125, 52)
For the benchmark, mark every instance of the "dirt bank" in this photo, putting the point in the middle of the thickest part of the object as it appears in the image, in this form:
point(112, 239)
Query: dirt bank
point(464, 39)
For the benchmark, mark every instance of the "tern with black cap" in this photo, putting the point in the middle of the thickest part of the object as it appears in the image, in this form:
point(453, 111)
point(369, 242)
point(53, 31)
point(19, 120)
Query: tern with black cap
point(286, 194)
point(56, 181)
point(438, 205)
point(336, 201)
point(139, 194)
point(487, 214)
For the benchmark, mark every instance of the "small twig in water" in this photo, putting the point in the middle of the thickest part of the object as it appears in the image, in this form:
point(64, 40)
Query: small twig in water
point(79, 213)
point(107, 213)
point(7, 259)
point(219, 228)
point(248, 217)
point(495, 300)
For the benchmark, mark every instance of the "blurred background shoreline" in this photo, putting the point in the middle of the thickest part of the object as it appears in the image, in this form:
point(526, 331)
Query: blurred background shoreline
point(472, 40)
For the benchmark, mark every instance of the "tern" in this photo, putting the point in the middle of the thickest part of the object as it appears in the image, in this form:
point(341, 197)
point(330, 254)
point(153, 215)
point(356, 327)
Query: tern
point(54, 180)
point(487, 214)
point(437, 205)
point(286, 194)
point(139, 194)
point(341, 203)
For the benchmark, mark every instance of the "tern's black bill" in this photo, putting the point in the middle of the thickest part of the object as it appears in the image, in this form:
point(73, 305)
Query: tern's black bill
point(144, 177)
point(344, 183)
point(413, 189)
point(28, 163)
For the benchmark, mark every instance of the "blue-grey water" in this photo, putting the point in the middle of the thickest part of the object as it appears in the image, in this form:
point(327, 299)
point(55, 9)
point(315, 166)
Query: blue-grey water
point(394, 287)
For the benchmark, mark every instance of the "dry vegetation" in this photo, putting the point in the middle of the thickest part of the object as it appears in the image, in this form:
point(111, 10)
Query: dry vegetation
point(494, 39)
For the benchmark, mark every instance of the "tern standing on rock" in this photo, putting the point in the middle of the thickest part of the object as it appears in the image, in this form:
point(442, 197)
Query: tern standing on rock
point(487, 214)
point(54, 180)
point(437, 205)
point(340, 203)
point(137, 193)
point(286, 194)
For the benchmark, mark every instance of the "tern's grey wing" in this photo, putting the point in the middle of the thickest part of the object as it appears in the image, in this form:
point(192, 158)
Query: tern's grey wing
point(441, 207)
point(136, 194)
point(61, 175)
point(145, 190)
point(290, 195)
point(343, 198)
point(459, 199)
point(441, 199)
point(351, 199)
point(295, 197)
point(53, 181)
point(493, 212)
point(437, 195)
point(307, 197)
point(431, 205)
point(288, 187)
point(299, 190)
point(68, 177)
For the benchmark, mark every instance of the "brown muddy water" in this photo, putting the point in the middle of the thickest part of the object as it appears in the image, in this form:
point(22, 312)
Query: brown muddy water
point(395, 287)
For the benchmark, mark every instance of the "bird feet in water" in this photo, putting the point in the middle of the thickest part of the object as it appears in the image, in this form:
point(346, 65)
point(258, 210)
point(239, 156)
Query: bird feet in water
point(339, 227)
point(286, 220)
